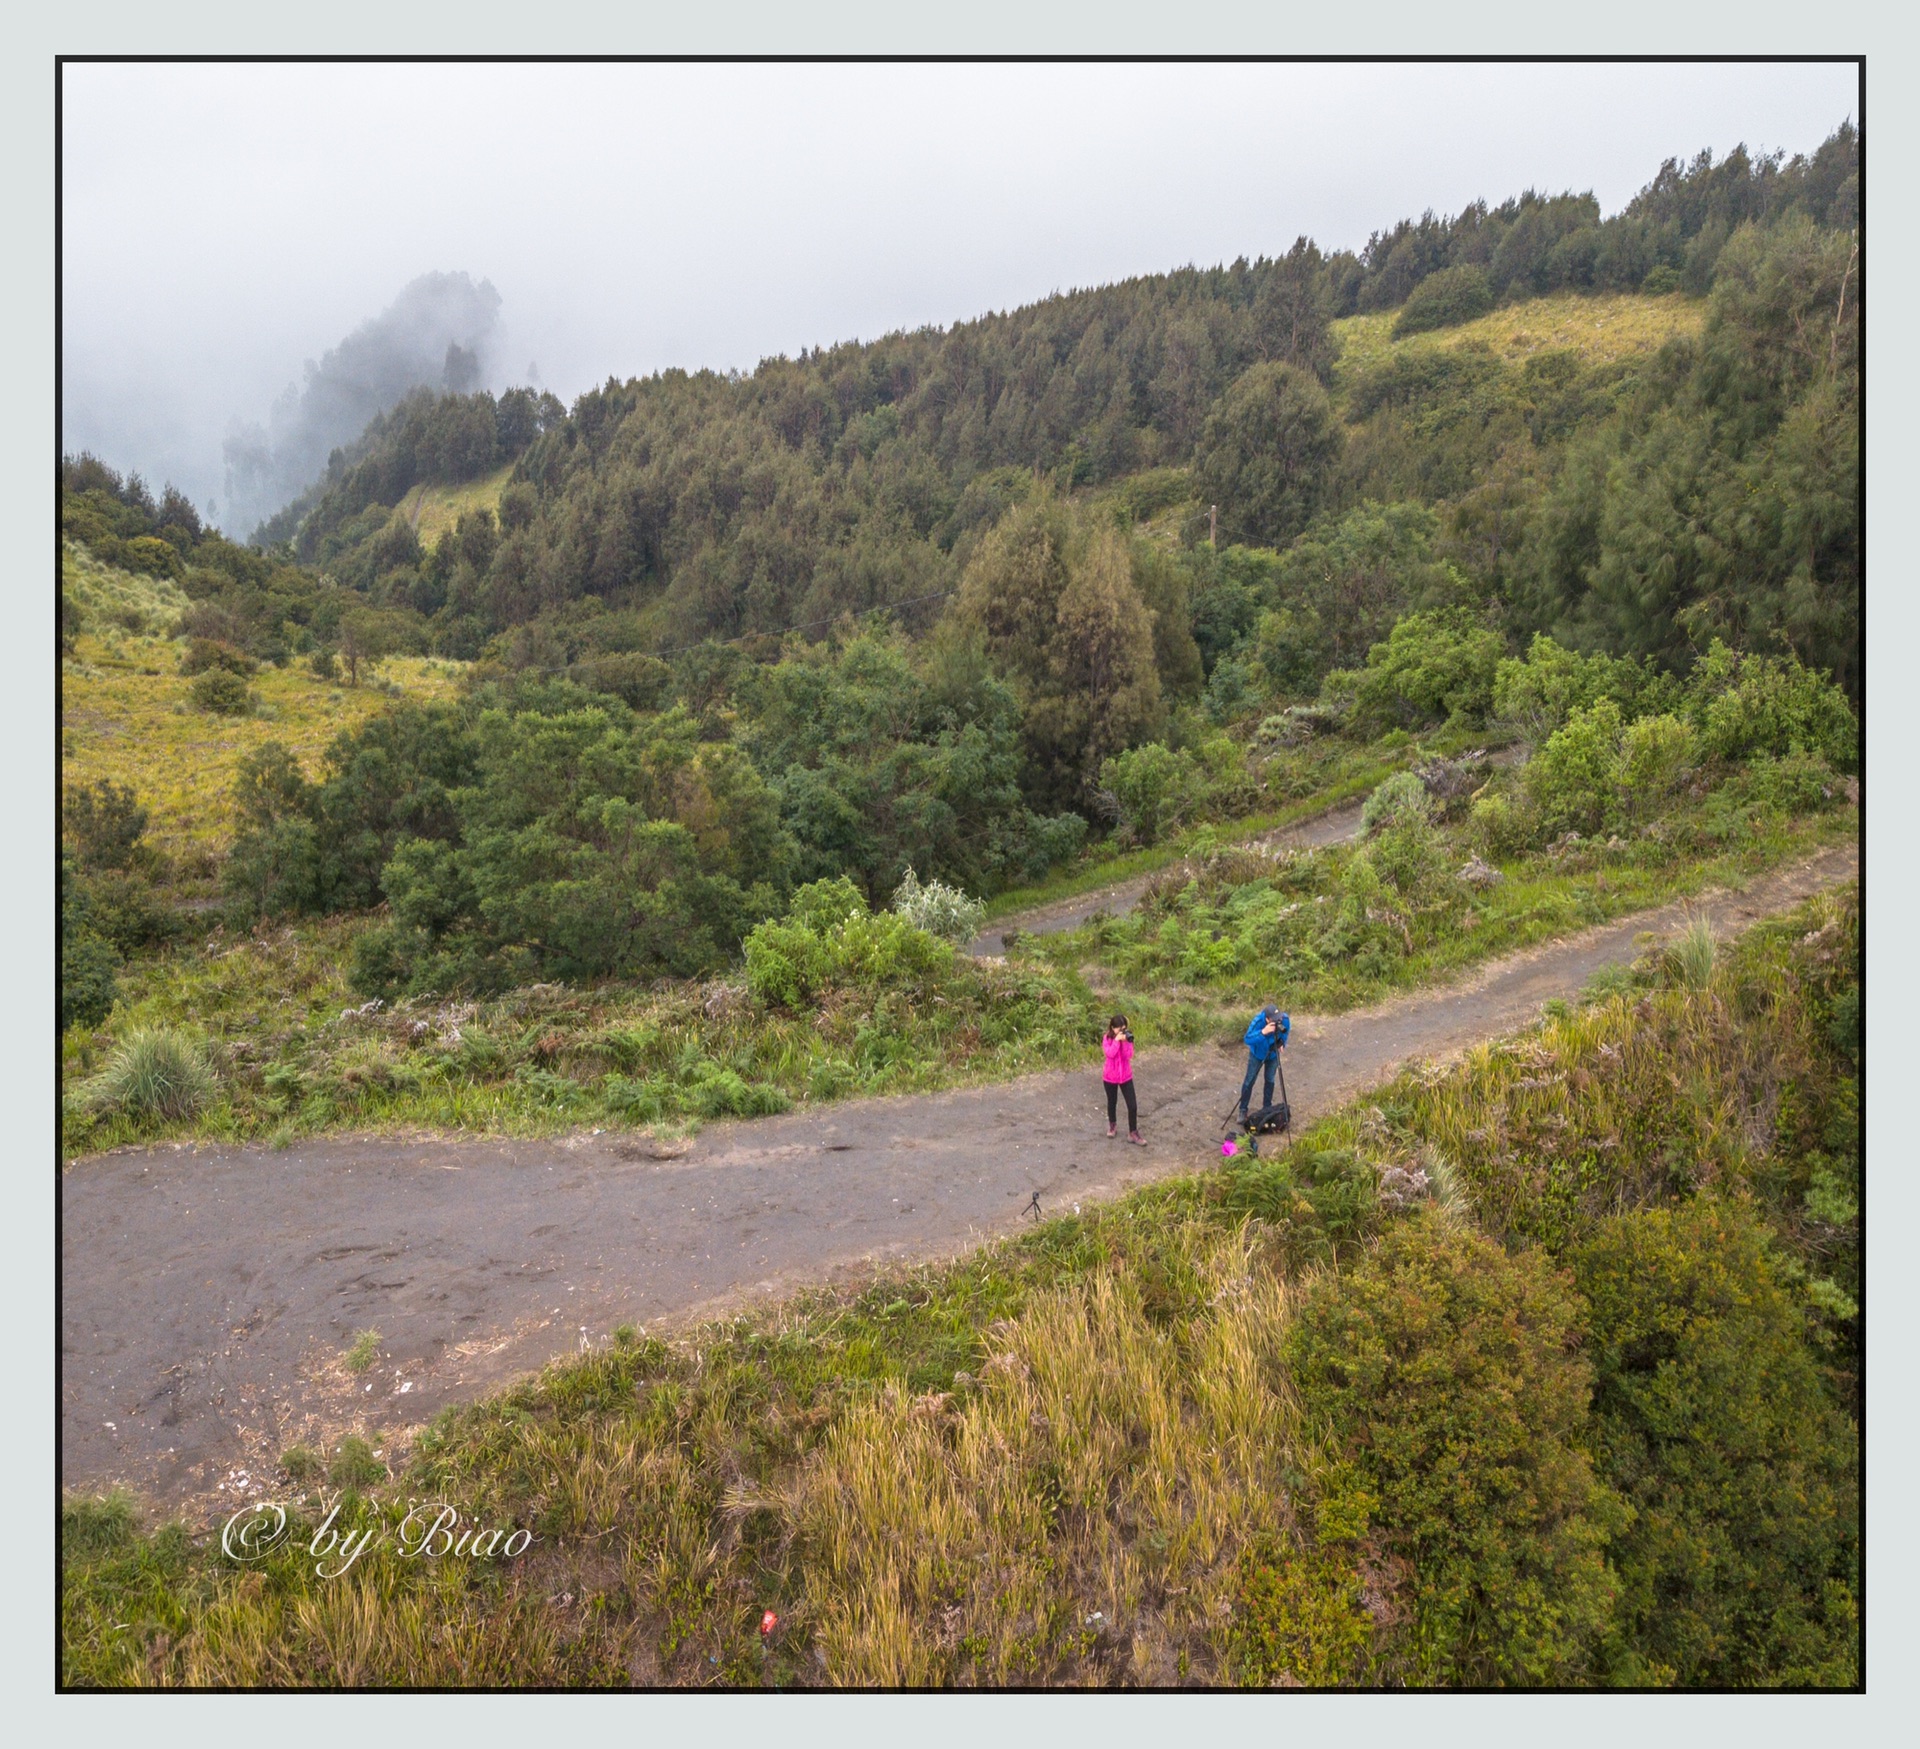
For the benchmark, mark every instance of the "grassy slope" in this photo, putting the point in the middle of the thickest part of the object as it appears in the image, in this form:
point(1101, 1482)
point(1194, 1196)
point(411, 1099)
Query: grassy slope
point(1602, 329)
point(126, 713)
point(434, 510)
point(941, 1477)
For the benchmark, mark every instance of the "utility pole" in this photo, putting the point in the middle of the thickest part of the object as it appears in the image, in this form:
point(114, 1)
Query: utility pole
point(1213, 525)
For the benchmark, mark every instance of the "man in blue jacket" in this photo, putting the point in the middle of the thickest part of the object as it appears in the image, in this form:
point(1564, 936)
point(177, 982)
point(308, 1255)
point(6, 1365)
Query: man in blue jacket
point(1266, 1039)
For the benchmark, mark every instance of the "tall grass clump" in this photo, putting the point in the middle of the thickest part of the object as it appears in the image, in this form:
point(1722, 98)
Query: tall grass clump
point(1690, 958)
point(156, 1073)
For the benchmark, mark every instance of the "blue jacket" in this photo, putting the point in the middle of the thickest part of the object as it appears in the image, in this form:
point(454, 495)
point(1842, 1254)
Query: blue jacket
point(1262, 1044)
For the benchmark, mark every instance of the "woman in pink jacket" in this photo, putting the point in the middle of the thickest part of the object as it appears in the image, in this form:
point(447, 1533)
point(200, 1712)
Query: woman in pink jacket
point(1118, 1045)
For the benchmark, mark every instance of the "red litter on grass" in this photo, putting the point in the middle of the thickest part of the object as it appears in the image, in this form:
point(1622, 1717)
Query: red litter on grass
point(768, 1623)
point(1228, 1149)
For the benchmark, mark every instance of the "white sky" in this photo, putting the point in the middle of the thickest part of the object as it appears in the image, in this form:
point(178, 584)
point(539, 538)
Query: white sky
point(223, 223)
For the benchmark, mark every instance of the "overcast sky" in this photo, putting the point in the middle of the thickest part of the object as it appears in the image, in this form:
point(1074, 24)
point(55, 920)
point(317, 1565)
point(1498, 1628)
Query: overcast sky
point(222, 224)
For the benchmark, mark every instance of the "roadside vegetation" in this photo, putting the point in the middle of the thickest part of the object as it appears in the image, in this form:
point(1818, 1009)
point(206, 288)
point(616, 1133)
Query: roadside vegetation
point(1542, 1369)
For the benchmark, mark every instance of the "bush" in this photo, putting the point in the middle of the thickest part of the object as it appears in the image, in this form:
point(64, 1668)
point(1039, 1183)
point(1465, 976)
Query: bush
point(89, 983)
point(1401, 797)
point(1434, 667)
point(1541, 692)
point(222, 694)
point(1151, 790)
point(1411, 855)
point(1446, 1373)
point(151, 557)
point(1655, 754)
point(1572, 779)
point(202, 655)
point(1235, 689)
point(107, 823)
point(1740, 1566)
point(1444, 300)
point(1501, 825)
point(1743, 705)
point(121, 909)
point(1801, 783)
point(829, 937)
point(939, 909)
point(154, 1074)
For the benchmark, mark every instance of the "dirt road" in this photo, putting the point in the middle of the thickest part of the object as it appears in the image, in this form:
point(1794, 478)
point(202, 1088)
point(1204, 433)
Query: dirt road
point(210, 1291)
point(1336, 826)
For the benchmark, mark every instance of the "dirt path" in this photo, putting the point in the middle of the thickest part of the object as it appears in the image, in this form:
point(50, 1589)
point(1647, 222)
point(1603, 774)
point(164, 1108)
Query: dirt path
point(1336, 826)
point(209, 1291)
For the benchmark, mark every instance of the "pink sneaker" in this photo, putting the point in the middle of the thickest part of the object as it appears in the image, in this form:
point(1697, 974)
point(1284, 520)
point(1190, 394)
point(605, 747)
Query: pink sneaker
point(1135, 1136)
point(1112, 1131)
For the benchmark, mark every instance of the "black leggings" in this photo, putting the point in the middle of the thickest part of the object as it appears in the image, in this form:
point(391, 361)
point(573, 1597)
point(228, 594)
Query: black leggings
point(1115, 1088)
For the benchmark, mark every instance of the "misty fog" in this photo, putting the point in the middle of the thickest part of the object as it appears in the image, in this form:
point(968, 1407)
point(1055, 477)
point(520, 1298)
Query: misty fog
point(258, 258)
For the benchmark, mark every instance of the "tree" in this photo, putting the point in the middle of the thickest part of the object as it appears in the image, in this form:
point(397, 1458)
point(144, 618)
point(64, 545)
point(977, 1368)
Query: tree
point(1103, 688)
point(1740, 1565)
point(1448, 1374)
point(1011, 589)
point(1266, 453)
point(1290, 316)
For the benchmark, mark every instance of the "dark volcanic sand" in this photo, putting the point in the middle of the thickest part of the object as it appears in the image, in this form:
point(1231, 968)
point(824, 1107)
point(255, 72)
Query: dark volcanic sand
point(209, 1291)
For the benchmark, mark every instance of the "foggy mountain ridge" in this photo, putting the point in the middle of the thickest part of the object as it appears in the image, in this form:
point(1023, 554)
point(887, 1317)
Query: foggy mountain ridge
point(440, 332)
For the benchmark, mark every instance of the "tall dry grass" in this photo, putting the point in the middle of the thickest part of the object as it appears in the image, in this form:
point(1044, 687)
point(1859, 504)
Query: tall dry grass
point(1075, 1517)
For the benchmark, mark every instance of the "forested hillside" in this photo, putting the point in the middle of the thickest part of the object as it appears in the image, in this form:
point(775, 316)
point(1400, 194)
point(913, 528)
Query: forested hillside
point(681, 507)
point(655, 761)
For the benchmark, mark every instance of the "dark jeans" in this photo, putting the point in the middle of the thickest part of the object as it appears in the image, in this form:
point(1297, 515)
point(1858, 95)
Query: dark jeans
point(1253, 1074)
point(1114, 1090)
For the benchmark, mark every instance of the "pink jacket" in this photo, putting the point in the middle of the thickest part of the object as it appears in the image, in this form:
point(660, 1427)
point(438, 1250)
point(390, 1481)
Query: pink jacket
point(1119, 1059)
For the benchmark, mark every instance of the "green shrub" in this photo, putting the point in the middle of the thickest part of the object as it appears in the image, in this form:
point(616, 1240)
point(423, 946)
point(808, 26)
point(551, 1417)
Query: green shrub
point(787, 963)
point(1655, 754)
point(151, 557)
point(1398, 798)
point(1741, 1564)
point(1299, 1614)
point(1411, 855)
point(202, 655)
point(1539, 693)
point(1150, 790)
point(823, 905)
point(1502, 825)
point(1235, 689)
point(1446, 1373)
point(107, 823)
point(1800, 783)
point(122, 909)
point(1433, 667)
point(1573, 779)
point(154, 1074)
point(1743, 705)
point(830, 937)
point(222, 694)
point(1444, 300)
point(89, 979)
